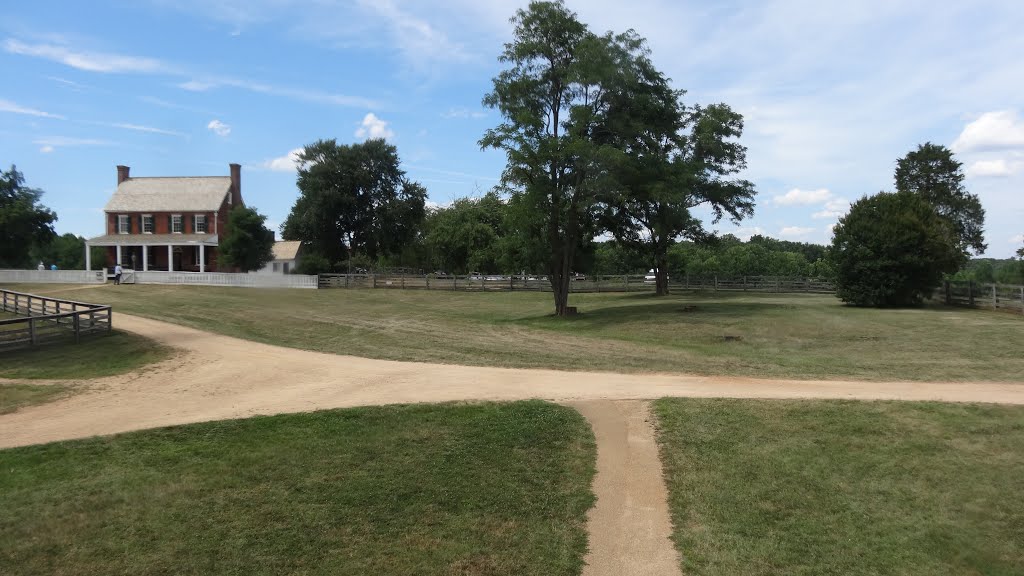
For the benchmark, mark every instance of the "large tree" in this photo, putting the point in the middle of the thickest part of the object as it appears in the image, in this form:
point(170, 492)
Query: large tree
point(24, 222)
point(932, 173)
point(249, 244)
point(554, 98)
point(466, 236)
point(891, 249)
point(354, 197)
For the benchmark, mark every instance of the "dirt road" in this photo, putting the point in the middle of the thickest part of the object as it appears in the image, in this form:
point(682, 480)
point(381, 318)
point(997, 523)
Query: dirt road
point(217, 377)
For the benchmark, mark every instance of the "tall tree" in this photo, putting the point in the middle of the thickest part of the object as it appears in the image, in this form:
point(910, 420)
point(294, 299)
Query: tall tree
point(932, 173)
point(354, 197)
point(465, 236)
point(248, 245)
point(24, 222)
point(553, 97)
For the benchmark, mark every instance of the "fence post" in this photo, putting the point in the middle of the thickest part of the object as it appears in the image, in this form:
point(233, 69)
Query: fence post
point(75, 323)
point(426, 277)
point(949, 298)
point(995, 299)
point(455, 283)
point(32, 330)
point(970, 293)
point(374, 277)
point(716, 282)
point(403, 281)
point(346, 280)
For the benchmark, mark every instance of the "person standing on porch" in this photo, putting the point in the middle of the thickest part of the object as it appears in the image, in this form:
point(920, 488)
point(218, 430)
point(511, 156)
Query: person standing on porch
point(117, 274)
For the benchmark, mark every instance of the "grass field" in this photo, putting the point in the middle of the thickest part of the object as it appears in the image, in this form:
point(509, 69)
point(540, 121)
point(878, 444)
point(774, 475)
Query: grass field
point(454, 489)
point(783, 336)
point(93, 357)
point(768, 487)
point(14, 396)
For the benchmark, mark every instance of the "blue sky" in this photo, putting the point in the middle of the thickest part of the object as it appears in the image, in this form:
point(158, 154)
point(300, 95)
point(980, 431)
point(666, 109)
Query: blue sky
point(833, 93)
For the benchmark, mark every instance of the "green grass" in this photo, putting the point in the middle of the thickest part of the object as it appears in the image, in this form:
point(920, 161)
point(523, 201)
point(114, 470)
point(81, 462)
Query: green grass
point(95, 356)
point(453, 489)
point(14, 396)
point(769, 487)
point(783, 336)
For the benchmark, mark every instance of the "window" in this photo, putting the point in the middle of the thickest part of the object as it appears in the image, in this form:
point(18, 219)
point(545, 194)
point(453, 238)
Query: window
point(285, 267)
point(147, 223)
point(124, 224)
point(200, 224)
point(277, 266)
point(176, 223)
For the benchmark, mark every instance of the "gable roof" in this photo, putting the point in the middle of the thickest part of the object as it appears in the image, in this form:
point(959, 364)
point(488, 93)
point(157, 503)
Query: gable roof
point(186, 194)
point(286, 249)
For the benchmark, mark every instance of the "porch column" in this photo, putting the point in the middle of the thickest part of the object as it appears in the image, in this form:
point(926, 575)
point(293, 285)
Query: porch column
point(202, 257)
point(118, 254)
point(170, 258)
point(88, 258)
point(145, 258)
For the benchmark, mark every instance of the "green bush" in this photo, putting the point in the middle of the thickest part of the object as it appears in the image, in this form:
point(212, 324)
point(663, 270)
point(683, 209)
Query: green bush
point(892, 249)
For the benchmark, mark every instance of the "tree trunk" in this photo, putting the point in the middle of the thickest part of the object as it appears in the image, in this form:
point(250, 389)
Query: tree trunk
point(661, 271)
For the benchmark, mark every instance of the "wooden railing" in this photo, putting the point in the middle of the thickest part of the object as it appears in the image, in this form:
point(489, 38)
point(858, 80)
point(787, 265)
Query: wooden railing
point(976, 294)
point(40, 319)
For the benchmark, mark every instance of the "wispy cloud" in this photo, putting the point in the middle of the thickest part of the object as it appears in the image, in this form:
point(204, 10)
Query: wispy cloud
point(318, 96)
point(794, 232)
point(219, 128)
point(463, 113)
point(49, 144)
point(417, 39)
point(999, 168)
point(8, 106)
point(105, 62)
point(372, 128)
point(834, 208)
point(70, 84)
point(150, 129)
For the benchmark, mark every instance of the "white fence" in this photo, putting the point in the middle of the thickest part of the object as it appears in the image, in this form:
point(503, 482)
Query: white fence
point(52, 277)
point(226, 279)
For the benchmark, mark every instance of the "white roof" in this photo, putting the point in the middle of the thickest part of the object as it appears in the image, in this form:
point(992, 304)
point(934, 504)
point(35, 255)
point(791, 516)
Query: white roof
point(286, 249)
point(188, 194)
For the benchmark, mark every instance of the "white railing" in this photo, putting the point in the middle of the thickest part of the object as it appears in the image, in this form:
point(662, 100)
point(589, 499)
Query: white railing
point(52, 277)
point(227, 279)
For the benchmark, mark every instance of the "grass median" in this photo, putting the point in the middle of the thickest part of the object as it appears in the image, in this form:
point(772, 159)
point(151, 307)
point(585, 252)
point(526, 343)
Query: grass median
point(444, 489)
point(812, 487)
point(95, 356)
point(778, 336)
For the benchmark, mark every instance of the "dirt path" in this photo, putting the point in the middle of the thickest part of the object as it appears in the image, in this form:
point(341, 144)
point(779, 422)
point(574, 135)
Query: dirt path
point(629, 527)
point(217, 377)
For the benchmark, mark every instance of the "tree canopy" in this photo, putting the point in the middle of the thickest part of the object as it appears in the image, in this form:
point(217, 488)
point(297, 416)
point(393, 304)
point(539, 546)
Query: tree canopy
point(24, 222)
point(891, 249)
point(932, 173)
point(248, 245)
point(354, 197)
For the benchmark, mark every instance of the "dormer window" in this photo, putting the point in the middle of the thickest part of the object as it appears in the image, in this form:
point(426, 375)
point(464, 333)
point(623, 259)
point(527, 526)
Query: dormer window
point(200, 224)
point(124, 224)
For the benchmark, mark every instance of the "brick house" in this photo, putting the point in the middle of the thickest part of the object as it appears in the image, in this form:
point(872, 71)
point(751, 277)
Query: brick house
point(168, 223)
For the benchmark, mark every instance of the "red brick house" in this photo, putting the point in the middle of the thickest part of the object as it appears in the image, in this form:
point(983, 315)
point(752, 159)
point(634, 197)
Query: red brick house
point(168, 223)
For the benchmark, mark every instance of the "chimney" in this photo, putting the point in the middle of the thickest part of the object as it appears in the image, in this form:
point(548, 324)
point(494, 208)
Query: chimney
point(122, 174)
point(236, 184)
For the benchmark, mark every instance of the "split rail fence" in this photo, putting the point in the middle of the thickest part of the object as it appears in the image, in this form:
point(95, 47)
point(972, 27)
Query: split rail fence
point(40, 320)
point(584, 284)
point(976, 295)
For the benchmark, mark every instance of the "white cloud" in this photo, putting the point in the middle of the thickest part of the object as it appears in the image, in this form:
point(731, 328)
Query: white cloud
point(992, 168)
point(417, 40)
point(287, 163)
point(8, 106)
point(89, 61)
point(46, 149)
point(1017, 239)
point(373, 128)
point(834, 208)
point(797, 196)
point(219, 128)
point(795, 232)
point(746, 232)
point(998, 130)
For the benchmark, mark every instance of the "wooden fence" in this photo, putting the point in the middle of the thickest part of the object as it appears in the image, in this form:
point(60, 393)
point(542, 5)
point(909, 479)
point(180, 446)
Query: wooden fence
point(41, 320)
point(974, 294)
point(620, 283)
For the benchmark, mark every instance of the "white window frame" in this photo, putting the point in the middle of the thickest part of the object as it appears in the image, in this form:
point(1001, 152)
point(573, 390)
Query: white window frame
point(124, 224)
point(147, 219)
point(177, 222)
point(195, 223)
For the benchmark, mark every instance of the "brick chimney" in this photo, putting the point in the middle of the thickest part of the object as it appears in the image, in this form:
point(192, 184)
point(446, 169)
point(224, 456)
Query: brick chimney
point(122, 174)
point(236, 184)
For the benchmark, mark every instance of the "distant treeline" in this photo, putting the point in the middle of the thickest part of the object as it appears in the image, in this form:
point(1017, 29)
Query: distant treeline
point(992, 270)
